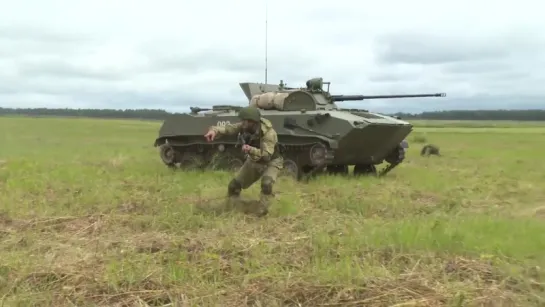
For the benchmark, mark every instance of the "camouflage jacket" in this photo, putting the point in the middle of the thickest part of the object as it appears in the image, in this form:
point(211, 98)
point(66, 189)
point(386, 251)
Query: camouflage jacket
point(267, 141)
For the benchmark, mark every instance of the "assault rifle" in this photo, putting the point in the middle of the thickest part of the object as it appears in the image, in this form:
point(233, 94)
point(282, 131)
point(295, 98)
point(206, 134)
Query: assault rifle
point(242, 138)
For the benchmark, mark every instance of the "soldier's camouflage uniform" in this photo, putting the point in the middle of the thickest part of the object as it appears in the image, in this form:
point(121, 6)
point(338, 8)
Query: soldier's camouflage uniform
point(263, 160)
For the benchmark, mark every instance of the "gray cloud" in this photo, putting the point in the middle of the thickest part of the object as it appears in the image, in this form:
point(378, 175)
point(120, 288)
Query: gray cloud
point(57, 67)
point(431, 48)
point(107, 54)
point(31, 33)
point(422, 49)
point(222, 58)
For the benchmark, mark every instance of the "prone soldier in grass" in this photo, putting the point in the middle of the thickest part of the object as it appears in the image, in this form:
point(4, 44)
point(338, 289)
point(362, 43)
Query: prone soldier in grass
point(430, 149)
point(263, 157)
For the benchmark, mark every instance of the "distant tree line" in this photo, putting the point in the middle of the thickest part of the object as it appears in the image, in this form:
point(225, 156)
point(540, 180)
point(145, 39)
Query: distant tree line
point(155, 114)
point(150, 114)
point(518, 115)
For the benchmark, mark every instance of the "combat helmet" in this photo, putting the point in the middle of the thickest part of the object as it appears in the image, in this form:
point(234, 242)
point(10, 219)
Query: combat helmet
point(249, 113)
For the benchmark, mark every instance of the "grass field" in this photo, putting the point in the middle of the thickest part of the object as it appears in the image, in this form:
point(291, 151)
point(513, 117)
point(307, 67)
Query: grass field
point(89, 216)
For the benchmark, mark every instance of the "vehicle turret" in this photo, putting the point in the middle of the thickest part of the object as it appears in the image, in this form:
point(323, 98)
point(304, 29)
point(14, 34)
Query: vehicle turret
point(312, 97)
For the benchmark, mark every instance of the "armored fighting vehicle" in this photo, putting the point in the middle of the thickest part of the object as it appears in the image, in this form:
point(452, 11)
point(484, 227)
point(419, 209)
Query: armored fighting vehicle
point(314, 134)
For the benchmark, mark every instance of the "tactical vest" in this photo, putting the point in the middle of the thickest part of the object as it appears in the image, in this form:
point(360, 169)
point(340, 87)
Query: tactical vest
point(254, 140)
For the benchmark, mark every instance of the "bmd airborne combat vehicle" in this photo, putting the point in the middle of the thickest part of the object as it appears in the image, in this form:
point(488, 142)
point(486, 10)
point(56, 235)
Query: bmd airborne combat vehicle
point(314, 134)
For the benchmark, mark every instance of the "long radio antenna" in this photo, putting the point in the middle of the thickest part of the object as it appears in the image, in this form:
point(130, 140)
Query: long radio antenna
point(266, 38)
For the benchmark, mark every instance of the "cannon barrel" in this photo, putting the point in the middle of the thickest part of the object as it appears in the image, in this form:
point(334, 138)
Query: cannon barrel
point(197, 109)
point(363, 97)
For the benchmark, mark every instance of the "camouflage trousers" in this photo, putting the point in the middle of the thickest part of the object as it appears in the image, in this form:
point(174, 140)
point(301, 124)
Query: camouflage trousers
point(248, 174)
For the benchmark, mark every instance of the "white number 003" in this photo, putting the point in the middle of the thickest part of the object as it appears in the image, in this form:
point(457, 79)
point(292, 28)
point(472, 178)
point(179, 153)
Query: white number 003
point(223, 123)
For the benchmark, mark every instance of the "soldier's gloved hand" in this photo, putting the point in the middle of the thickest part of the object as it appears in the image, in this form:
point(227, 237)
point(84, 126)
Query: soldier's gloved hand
point(210, 135)
point(246, 148)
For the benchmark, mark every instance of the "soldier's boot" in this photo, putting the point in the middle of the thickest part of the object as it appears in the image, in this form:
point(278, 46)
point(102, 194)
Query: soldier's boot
point(233, 194)
point(265, 196)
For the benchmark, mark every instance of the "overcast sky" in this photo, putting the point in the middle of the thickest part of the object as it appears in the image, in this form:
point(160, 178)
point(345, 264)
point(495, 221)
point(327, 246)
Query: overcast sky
point(173, 54)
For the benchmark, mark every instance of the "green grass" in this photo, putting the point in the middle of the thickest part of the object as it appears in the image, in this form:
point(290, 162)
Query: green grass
point(90, 216)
